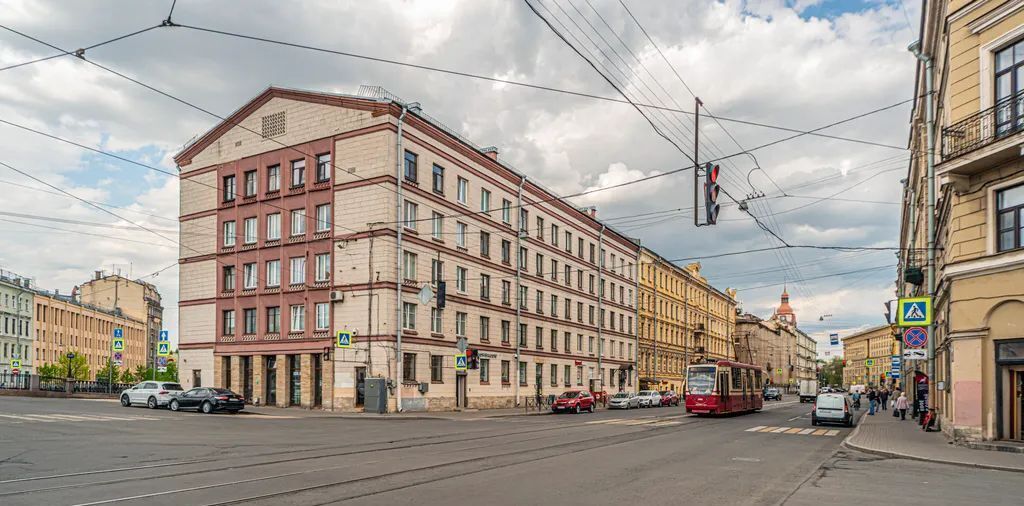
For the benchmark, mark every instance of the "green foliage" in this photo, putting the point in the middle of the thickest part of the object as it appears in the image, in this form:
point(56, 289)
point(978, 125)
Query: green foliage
point(108, 372)
point(79, 368)
point(832, 372)
point(128, 377)
point(51, 370)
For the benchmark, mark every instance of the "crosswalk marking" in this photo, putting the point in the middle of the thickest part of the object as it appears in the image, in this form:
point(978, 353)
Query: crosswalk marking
point(653, 422)
point(765, 429)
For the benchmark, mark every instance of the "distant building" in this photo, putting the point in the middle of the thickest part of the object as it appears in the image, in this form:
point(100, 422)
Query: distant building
point(784, 312)
point(133, 298)
point(16, 333)
point(786, 353)
point(868, 355)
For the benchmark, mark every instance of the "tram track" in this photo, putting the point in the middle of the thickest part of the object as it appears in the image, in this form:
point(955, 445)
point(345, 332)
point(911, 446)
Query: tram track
point(382, 446)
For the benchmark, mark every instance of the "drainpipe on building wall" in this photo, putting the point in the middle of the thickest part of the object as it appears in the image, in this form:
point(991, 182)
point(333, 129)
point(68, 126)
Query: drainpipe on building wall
point(519, 271)
point(600, 315)
point(636, 329)
point(399, 155)
point(930, 160)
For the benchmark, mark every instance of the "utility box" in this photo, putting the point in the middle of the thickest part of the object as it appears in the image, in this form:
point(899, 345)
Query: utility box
point(376, 396)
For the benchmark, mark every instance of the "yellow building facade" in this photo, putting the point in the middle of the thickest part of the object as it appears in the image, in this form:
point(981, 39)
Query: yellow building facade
point(868, 355)
point(682, 320)
point(971, 52)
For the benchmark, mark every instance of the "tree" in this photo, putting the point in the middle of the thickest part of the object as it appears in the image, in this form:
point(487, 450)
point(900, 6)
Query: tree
point(79, 367)
point(51, 371)
point(143, 373)
point(832, 372)
point(171, 374)
point(108, 372)
point(127, 377)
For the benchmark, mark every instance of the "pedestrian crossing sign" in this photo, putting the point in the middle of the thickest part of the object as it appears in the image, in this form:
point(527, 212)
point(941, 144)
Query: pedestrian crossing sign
point(461, 364)
point(15, 364)
point(117, 344)
point(163, 349)
point(915, 312)
point(344, 339)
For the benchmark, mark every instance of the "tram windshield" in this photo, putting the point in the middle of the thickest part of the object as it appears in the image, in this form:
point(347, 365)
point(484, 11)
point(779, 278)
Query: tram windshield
point(700, 380)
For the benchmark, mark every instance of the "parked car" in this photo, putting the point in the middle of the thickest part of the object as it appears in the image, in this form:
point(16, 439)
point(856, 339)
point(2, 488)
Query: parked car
point(649, 398)
point(832, 408)
point(574, 401)
point(669, 398)
point(624, 400)
point(152, 394)
point(208, 400)
point(772, 393)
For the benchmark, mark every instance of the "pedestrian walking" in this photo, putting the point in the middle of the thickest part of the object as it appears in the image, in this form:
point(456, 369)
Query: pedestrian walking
point(901, 405)
point(884, 398)
point(872, 401)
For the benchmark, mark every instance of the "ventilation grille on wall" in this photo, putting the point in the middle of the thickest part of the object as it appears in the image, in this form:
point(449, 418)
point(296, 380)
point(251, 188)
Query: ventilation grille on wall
point(273, 125)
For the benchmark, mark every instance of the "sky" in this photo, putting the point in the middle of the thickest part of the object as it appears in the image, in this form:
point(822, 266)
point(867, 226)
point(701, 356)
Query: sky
point(799, 64)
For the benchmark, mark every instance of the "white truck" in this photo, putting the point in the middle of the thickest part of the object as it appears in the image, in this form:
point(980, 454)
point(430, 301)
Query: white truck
point(808, 390)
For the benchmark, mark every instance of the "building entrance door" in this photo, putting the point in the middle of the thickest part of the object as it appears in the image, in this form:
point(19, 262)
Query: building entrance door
point(360, 385)
point(460, 390)
point(270, 379)
point(1017, 400)
point(247, 378)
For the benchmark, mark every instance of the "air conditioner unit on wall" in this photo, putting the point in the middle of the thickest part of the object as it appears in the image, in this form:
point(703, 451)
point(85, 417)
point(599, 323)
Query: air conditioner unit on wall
point(337, 296)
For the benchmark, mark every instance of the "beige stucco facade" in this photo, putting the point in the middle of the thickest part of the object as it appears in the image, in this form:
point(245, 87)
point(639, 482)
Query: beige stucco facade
point(785, 352)
point(868, 357)
point(135, 299)
point(979, 306)
point(683, 320)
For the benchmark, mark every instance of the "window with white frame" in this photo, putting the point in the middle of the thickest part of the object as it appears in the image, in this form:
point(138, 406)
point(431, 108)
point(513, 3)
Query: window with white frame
point(298, 318)
point(461, 273)
point(249, 228)
point(298, 173)
point(485, 201)
point(273, 178)
point(274, 227)
point(460, 324)
point(462, 191)
point(229, 233)
point(323, 217)
point(506, 211)
point(408, 266)
point(460, 234)
point(249, 276)
point(408, 316)
point(485, 286)
point(409, 215)
point(297, 274)
point(436, 225)
point(273, 273)
point(298, 222)
point(228, 322)
point(323, 316)
point(436, 323)
point(323, 267)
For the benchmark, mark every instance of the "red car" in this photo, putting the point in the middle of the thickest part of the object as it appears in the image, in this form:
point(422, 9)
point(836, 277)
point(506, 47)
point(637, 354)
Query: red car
point(669, 398)
point(574, 401)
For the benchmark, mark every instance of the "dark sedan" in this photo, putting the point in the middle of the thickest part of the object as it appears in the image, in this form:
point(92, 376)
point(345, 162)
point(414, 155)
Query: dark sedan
point(208, 400)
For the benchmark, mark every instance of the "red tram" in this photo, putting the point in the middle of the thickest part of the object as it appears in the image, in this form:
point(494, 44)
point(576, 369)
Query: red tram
point(723, 387)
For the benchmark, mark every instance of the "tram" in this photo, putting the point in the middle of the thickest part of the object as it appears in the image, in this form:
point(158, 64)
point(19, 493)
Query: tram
point(723, 387)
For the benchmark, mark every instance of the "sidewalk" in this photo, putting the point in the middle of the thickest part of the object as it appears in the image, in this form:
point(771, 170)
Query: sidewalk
point(883, 434)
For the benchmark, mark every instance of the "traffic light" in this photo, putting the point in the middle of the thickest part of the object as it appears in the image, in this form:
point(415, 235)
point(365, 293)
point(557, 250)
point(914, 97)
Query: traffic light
point(711, 193)
point(472, 359)
point(441, 285)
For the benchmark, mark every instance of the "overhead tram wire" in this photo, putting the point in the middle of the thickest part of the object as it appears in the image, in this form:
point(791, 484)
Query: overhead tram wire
point(833, 275)
point(77, 52)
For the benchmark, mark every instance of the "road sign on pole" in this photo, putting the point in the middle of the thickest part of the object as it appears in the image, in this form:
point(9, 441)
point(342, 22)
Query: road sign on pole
point(461, 363)
point(869, 362)
point(344, 339)
point(915, 312)
point(165, 336)
point(915, 354)
point(833, 339)
point(163, 349)
point(915, 337)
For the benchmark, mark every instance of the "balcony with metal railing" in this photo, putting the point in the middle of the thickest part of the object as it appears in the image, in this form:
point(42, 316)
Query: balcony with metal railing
point(988, 136)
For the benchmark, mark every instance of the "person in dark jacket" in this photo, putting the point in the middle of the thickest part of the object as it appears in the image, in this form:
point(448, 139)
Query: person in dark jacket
point(883, 397)
point(872, 401)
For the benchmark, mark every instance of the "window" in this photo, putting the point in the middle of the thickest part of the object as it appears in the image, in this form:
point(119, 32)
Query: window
point(538, 261)
point(273, 273)
point(436, 225)
point(522, 374)
point(274, 227)
point(554, 340)
point(228, 320)
point(485, 370)
point(409, 366)
point(522, 296)
point(1010, 218)
point(554, 375)
point(436, 368)
point(506, 329)
point(298, 222)
point(579, 375)
point(229, 234)
point(485, 201)
point(408, 316)
point(1009, 82)
point(229, 188)
point(524, 220)
point(460, 234)
point(506, 289)
point(579, 247)
point(462, 191)
point(590, 344)
point(485, 244)
point(323, 267)
point(229, 278)
point(539, 302)
point(504, 371)
point(540, 228)
point(323, 218)
point(249, 276)
point(567, 342)
point(568, 275)
point(554, 305)
point(554, 235)
point(298, 173)
point(298, 318)
point(554, 270)
point(250, 183)
point(273, 319)
point(485, 329)
point(506, 251)
point(538, 338)
point(249, 320)
point(521, 336)
point(567, 375)
point(323, 167)
point(408, 266)
point(506, 212)
point(323, 316)
point(523, 260)
point(410, 166)
point(249, 230)
point(273, 178)
point(437, 179)
point(436, 271)
point(568, 309)
point(297, 274)
point(409, 215)
point(485, 286)
point(568, 241)
point(436, 321)
point(460, 324)
point(461, 273)
point(593, 252)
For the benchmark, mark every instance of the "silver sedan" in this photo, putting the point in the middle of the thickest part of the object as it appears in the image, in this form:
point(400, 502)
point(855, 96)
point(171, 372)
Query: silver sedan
point(624, 400)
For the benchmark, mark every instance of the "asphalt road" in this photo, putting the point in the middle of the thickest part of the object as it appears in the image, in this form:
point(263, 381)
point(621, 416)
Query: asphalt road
point(56, 452)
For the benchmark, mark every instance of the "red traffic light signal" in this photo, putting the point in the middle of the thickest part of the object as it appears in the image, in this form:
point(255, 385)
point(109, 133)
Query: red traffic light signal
point(711, 191)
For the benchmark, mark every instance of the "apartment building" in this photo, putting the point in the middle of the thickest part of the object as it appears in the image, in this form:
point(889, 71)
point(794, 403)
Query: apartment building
point(786, 353)
point(135, 299)
point(868, 355)
point(16, 330)
point(970, 78)
point(683, 320)
point(387, 207)
point(63, 325)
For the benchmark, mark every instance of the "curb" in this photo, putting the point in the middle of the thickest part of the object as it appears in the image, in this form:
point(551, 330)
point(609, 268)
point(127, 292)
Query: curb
point(884, 453)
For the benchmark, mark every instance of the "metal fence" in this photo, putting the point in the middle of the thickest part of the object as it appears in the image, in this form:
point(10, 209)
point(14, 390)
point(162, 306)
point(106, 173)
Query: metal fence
point(51, 384)
point(984, 127)
point(98, 387)
point(10, 381)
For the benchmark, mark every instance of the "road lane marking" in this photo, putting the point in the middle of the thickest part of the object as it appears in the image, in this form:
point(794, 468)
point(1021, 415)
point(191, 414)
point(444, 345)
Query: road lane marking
point(820, 432)
point(795, 418)
point(768, 429)
point(832, 432)
point(806, 432)
point(31, 418)
point(794, 430)
point(755, 429)
point(780, 429)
